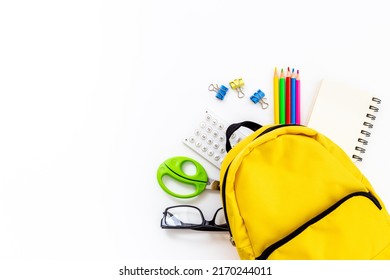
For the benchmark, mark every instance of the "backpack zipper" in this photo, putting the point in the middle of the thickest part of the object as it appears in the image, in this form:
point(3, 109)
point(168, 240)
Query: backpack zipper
point(224, 204)
point(226, 173)
point(269, 250)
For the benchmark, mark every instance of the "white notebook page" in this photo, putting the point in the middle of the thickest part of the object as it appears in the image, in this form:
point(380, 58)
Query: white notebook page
point(340, 112)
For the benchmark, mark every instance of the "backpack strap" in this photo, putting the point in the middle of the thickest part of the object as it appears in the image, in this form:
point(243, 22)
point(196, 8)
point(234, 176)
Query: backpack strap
point(235, 126)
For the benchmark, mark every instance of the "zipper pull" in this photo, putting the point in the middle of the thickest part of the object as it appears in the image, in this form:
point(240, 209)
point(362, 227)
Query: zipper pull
point(232, 241)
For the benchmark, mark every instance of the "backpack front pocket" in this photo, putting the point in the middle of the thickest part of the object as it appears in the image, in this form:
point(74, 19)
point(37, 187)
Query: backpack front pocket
point(350, 229)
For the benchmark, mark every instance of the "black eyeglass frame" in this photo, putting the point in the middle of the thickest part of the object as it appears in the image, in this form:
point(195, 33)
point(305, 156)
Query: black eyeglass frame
point(204, 226)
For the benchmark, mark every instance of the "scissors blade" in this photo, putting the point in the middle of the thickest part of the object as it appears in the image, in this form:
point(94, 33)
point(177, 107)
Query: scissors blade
point(213, 184)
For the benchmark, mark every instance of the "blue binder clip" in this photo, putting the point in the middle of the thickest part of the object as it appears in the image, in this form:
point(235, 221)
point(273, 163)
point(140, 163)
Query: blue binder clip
point(259, 97)
point(221, 91)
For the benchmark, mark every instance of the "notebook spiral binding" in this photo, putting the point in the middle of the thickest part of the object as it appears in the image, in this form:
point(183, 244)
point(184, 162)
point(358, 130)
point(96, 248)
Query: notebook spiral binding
point(367, 125)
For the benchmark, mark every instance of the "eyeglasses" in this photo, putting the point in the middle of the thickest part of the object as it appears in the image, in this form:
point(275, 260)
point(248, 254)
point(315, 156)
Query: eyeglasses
point(191, 217)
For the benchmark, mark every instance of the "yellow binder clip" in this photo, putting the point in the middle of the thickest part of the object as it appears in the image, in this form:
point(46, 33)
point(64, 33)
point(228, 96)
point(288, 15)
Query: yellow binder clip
point(237, 85)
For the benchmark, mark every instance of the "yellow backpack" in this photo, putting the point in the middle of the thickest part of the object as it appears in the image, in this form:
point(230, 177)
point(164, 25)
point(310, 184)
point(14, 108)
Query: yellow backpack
point(289, 192)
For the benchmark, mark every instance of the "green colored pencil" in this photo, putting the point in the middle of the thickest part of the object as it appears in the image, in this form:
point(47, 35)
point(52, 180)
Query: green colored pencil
point(282, 98)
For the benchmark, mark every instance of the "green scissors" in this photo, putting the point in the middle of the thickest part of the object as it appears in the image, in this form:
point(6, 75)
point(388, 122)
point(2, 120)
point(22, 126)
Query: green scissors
point(173, 167)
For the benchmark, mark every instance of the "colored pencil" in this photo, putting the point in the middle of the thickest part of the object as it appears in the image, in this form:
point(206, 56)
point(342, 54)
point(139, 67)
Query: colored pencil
point(288, 96)
point(282, 98)
point(276, 96)
point(293, 97)
point(298, 99)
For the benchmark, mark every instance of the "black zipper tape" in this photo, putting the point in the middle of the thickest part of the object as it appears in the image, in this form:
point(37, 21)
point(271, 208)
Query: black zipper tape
point(269, 250)
point(224, 199)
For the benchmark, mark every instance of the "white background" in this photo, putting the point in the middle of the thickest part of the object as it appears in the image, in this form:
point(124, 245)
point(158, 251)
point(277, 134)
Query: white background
point(94, 95)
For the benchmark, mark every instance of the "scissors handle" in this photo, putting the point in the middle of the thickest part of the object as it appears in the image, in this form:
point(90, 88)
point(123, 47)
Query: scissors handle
point(173, 168)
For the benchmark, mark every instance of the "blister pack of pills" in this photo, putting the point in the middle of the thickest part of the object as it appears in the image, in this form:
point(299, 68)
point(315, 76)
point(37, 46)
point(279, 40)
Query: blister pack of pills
point(208, 138)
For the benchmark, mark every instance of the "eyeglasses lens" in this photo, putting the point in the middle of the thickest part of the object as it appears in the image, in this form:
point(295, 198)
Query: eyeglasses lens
point(183, 216)
point(220, 218)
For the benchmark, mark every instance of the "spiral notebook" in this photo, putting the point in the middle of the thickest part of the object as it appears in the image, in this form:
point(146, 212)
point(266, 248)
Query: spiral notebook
point(346, 115)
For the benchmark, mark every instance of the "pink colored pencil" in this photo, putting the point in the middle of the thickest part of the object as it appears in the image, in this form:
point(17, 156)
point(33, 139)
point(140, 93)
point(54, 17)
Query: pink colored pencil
point(298, 99)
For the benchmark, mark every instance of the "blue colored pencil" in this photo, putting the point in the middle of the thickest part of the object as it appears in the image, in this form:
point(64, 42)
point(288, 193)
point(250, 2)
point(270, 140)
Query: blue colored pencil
point(293, 98)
